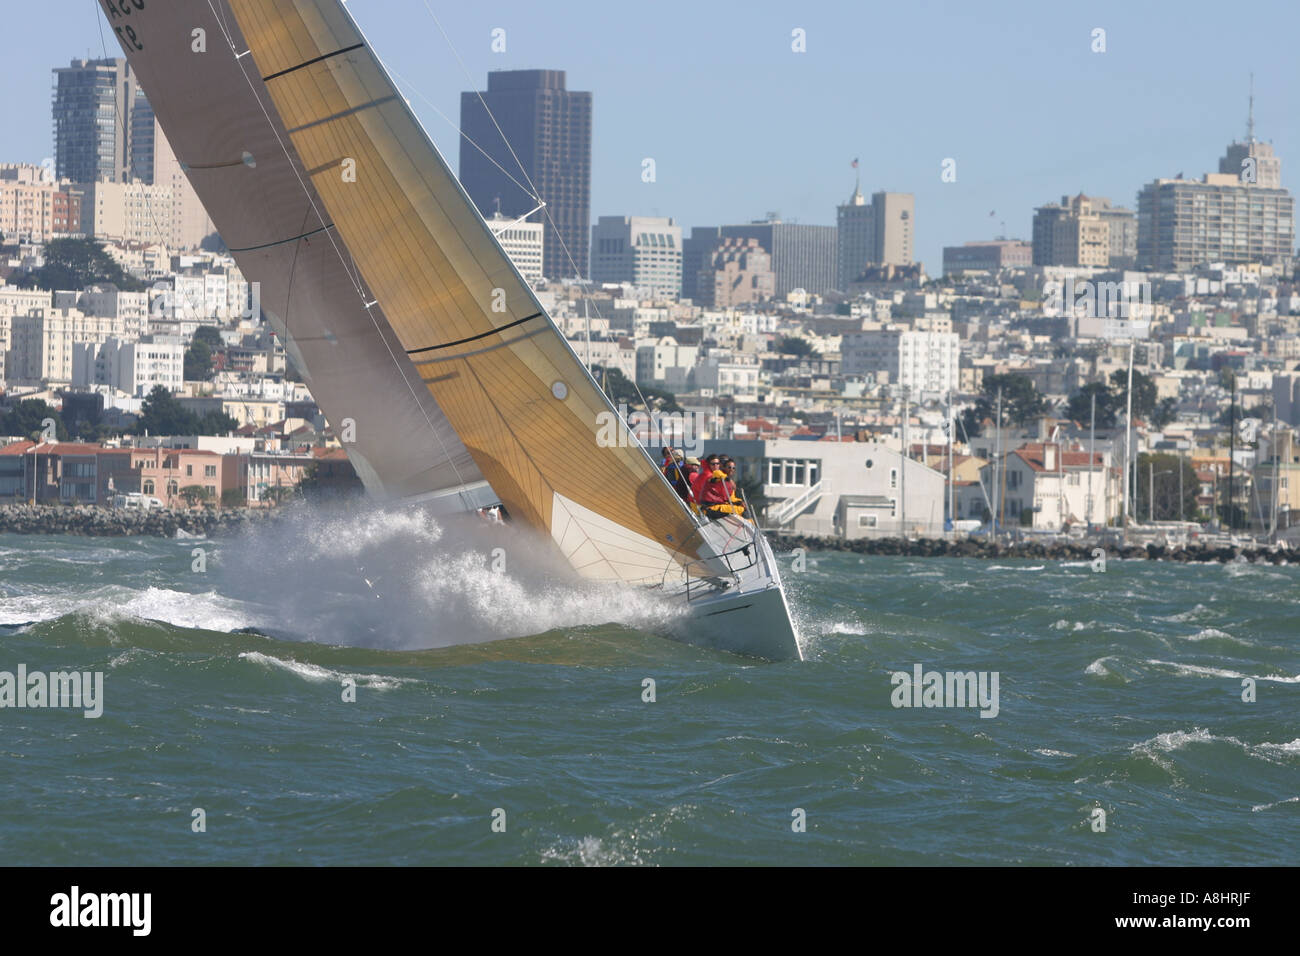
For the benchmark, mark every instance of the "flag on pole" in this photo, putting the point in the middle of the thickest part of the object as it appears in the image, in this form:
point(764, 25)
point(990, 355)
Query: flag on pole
point(855, 163)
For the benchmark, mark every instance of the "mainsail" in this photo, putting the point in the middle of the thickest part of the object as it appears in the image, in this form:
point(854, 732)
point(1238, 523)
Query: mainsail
point(389, 286)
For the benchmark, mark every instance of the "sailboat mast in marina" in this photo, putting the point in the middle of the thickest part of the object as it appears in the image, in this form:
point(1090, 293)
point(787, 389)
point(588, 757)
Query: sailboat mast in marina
point(405, 315)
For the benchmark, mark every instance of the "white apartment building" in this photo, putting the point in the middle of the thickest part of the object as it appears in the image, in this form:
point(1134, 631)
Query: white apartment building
point(42, 341)
point(665, 364)
point(131, 367)
point(15, 302)
point(522, 243)
point(920, 360)
point(607, 353)
point(725, 374)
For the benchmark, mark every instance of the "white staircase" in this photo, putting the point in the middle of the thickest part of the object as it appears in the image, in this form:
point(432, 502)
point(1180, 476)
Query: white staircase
point(793, 507)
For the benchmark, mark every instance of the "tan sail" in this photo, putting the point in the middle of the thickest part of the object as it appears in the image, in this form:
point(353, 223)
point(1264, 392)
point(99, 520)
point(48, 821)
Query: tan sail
point(230, 143)
point(509, 384)
point(407, 316)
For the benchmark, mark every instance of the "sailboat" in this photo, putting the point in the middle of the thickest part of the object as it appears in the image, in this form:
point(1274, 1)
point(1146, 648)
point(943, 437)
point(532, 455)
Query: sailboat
point(415, 332)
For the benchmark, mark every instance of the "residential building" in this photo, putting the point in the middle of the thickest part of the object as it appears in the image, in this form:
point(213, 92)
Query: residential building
point(34, 208)
point(1084, 231)
point(1240, 214)
point(665, 364)
point(42, 342)
point(131, 367)
point(923, 361)
point(1046, 486)
point(739, 272)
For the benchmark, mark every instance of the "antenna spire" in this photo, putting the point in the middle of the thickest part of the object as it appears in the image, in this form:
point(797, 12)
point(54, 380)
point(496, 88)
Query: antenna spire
point(1250, 115)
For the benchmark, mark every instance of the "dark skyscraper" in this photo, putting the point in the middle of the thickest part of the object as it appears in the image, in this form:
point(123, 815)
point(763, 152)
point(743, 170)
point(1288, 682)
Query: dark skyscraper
point(549, 129)
point(93, 102)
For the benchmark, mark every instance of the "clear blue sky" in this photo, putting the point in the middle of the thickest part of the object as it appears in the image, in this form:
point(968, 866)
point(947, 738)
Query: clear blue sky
point(738, 124)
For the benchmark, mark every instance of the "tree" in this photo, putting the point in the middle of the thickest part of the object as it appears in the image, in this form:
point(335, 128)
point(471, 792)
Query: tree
point(234, 498)
point(278, 493)
point(1165, 412)
point(793, 345)
point(1021, 403)
point(198, 362)
point(1144, 392)
point(1165, 480)
point(27, 419)
point(1079, 407)
point(209, 335)
point(621, 390)
point(194, 494)
point(77, 263)
point(162, 414)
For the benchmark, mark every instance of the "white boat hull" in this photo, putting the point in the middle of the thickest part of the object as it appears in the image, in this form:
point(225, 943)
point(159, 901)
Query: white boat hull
point(749, 616)
point(752, 624)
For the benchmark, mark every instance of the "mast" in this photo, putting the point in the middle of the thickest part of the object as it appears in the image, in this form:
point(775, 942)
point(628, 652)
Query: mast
point(1232, 451)
point(902, 467)
point(952, 514)
point(1128, 437)
point(1002, 470)
point(1092, 451)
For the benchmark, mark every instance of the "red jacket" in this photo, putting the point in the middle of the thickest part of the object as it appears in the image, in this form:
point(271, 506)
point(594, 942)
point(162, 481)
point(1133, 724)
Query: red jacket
point(714, 490)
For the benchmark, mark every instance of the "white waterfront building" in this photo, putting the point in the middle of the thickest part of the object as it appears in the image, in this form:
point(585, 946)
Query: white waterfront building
point(845, 489)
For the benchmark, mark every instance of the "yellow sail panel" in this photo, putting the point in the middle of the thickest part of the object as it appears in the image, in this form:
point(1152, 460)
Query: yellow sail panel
point(510, 386)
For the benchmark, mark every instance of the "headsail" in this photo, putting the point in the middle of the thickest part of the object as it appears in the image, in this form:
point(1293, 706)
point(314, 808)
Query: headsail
point(445, 298)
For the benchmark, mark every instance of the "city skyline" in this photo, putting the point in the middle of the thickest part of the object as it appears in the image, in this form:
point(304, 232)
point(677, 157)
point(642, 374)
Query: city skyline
point(1057, 118)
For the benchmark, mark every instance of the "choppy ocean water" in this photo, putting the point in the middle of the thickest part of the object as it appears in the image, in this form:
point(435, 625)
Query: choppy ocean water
point(223, 691)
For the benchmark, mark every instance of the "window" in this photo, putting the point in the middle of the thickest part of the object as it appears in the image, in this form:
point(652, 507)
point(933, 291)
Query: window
point(209, 471)
point(893, 477)
point(189, 471)
point(147, 487)
point(171, 486)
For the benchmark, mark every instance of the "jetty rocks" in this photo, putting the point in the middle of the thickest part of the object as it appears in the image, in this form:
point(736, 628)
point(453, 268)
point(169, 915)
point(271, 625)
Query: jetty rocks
point(90, 521)
point(1049, 551)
